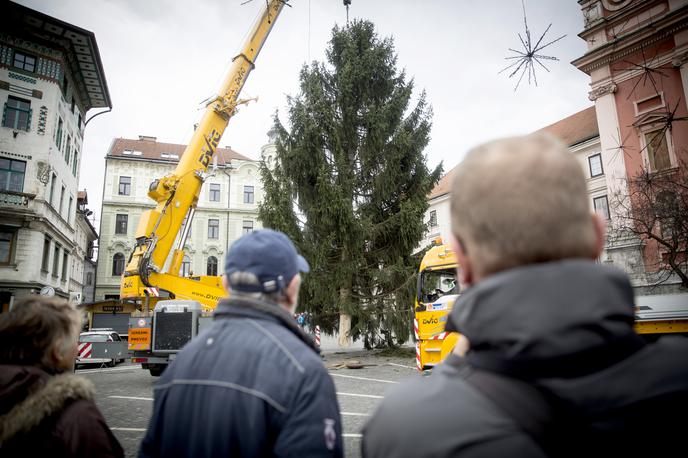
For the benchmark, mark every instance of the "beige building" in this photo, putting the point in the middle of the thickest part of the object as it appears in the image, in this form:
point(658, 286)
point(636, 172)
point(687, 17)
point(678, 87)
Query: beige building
point(83, 264)
point(227, 207)
point(578, 131)
point(50, 77)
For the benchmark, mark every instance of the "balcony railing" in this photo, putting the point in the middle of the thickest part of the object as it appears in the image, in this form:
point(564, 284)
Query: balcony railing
point(17, 199)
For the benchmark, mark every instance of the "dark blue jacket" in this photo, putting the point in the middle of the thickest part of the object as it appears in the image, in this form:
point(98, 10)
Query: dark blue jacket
point(251, 385)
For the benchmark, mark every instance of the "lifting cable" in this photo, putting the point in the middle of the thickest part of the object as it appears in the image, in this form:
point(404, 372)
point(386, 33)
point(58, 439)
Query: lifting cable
point(347, 3)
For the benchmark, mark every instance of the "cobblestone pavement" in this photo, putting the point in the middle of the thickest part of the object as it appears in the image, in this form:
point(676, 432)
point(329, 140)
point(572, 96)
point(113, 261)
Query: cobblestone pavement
point(125, 392)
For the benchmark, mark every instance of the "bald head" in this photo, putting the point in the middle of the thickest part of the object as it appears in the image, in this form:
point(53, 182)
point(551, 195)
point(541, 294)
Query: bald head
point(522, 200)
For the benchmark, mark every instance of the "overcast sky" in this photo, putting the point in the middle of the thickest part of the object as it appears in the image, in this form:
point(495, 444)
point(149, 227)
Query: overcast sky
point(162, 58)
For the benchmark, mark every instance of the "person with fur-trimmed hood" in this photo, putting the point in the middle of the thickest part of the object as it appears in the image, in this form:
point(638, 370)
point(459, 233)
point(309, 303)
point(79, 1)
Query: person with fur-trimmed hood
point(44, 409)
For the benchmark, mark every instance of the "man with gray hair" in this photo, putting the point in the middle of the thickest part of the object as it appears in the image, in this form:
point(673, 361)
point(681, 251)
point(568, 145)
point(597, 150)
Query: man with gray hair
point(548, 362)
point(253, 383)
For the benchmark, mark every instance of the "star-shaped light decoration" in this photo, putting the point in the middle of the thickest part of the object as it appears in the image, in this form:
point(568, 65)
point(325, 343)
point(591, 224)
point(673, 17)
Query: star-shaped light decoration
point(525, 60)
point(620, 146)
point(651, 72)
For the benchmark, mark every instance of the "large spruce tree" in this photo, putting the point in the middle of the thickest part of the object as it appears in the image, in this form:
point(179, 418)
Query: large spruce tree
point(350, 186)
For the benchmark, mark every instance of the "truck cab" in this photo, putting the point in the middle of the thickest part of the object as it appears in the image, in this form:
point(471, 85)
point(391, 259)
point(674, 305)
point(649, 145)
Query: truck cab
point(437, 289)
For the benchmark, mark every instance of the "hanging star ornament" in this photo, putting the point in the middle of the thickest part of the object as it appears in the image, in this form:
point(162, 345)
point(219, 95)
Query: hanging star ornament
point(650, 70)
point(525, 59)
point(620, 145)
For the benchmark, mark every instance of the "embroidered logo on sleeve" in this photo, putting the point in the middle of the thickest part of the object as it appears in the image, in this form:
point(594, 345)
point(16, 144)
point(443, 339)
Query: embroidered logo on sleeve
point(330, 434)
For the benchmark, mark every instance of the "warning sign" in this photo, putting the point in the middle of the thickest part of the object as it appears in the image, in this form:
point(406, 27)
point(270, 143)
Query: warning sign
point(139, 338)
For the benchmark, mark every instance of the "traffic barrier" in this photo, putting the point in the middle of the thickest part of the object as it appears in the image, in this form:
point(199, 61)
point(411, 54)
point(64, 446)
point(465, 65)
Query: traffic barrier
point(102, 350)
point(418, 365)
point(415, 328)
point(317, 336)
point(85, 350)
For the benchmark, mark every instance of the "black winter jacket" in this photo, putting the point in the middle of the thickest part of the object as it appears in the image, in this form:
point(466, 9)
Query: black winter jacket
point(250, 385)
point(558, 335)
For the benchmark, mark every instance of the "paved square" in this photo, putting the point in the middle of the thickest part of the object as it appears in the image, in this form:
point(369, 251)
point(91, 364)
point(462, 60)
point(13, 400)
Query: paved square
point(125, 394)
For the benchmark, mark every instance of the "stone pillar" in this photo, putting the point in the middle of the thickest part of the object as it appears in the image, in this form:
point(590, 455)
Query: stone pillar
point(681, 61)
point(611, 138)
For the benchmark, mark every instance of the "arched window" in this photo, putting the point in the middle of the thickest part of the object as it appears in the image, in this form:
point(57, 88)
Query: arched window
point(117, 264)
point(212, 265)
point(186, 267)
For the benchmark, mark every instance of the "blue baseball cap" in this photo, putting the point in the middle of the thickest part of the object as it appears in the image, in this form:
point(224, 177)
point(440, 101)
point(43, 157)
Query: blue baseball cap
point(267, 254)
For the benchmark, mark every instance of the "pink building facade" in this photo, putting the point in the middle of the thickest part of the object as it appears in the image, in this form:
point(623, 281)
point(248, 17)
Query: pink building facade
point(637, 60)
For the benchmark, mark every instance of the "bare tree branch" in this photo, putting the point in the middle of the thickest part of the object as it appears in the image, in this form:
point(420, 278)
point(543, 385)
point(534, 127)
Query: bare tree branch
point(655, 210)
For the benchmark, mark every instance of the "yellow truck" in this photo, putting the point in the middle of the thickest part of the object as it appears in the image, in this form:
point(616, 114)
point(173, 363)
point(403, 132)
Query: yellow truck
point(437, 289)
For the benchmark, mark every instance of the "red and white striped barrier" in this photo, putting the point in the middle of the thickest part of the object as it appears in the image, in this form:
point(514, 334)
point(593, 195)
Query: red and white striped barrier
point(415, 328)
point(154, 292)
point(439, 336)
point(317, 336)
point(85, 350)
point(418, 365)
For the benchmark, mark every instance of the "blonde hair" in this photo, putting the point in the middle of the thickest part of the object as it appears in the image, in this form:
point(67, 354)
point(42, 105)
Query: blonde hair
point(521, 200)
point(34, 326)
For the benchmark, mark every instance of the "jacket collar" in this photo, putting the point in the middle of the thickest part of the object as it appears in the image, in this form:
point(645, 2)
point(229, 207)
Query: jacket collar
point(247, 307)
point(47, 396)
point(556, 319)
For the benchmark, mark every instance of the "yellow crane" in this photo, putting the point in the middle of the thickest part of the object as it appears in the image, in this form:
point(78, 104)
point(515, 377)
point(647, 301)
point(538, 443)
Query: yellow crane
point(155, 336)
point(176, 195)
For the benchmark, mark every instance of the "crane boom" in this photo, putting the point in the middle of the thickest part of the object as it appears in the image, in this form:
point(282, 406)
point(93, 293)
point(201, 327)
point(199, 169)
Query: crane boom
point(176, 194)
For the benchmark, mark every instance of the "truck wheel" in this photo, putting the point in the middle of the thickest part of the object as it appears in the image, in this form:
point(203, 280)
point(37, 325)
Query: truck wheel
point(156, 371)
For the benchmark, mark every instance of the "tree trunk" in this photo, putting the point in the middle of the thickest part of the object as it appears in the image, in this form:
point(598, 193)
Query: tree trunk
point(677, 268)
point(344, 330)
point(344, 320)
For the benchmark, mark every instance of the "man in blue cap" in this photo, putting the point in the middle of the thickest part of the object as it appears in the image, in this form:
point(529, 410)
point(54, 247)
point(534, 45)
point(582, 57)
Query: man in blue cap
point(253, 383)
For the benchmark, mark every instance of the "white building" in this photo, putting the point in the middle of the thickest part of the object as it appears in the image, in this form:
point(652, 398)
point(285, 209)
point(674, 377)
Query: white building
point(50, 77)
point(438, 214)
point(227, 207)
